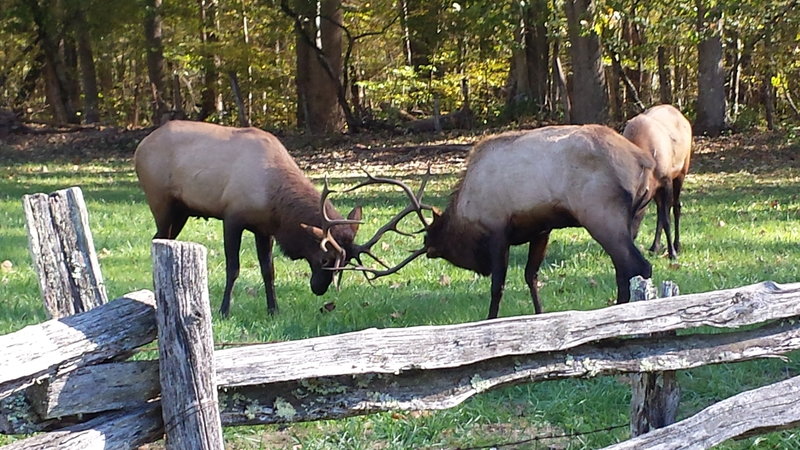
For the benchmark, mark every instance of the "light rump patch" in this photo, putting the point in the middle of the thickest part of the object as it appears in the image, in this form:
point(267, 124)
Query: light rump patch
point(666, 134)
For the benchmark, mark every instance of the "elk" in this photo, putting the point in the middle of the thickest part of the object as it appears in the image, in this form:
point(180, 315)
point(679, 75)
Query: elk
point(666, 134)
point(519, 186)
point(246, 178)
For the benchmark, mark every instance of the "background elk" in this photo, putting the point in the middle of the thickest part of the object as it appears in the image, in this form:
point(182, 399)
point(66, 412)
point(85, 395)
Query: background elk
point(667, 135)
point(246, 178)
point(519, 186)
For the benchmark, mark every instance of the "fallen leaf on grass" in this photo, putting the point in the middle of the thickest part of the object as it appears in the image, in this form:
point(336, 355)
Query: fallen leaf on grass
point(327, 307)
point(6, 266)
point(444, 280)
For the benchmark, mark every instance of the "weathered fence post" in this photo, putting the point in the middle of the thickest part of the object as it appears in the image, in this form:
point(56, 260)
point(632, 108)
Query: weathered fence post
point(62, 250)
point(186, 348)
point(655, 396)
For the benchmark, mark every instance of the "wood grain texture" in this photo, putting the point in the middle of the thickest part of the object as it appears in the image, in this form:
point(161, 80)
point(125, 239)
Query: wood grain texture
point(186, 346)
point(86, 338)
point(396, 350)
point(117, 431)
point(63, 253)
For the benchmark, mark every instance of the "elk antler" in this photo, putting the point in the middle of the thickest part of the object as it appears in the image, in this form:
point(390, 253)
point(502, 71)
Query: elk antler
point(416, 206)
point(375, 273)
point(327, 224)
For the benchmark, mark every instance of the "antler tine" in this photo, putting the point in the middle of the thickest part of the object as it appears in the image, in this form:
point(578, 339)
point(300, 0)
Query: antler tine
point(375, 274)
point(327, 221)
point(415, 198)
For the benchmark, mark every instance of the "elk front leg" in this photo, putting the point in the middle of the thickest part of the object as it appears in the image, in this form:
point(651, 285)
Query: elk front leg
point(264, 245)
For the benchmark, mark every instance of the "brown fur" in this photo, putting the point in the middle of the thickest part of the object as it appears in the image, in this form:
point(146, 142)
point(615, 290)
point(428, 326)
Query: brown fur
point(518, 186)
point(666, 134)
point(247, 179)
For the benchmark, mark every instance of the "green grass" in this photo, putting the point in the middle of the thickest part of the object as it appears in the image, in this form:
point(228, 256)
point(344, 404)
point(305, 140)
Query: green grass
point(738, 229)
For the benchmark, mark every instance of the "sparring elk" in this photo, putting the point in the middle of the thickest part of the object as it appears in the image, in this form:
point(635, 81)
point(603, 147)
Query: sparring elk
point(246, 178)
point(665, 133)
point(518, 186)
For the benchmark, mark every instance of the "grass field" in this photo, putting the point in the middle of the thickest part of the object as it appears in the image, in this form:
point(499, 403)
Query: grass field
point(741, 225)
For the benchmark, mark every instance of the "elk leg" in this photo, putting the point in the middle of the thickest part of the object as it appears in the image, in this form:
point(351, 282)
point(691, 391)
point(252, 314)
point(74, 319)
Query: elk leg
point(498, 248)
point(536, 251)
point(660, 211)
point(170, 221)
point(628, 260)
point(677, 185)
point(232, 237)
point(663, 216)
point(264, 249)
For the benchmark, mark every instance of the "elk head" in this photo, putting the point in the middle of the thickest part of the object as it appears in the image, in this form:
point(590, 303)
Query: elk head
point(332, 255)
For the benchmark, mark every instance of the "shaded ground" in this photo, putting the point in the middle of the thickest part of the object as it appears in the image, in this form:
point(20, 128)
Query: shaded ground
point(755, 153)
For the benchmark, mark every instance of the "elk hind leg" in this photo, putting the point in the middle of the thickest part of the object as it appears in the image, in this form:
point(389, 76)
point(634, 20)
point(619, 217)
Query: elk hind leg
point(232, 237)
point(499, 249)
point(677, 185)
point(536, 252)
point(170, 220)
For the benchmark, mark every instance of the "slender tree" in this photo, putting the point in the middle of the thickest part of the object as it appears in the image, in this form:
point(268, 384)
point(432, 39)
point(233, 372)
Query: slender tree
point(155, 58)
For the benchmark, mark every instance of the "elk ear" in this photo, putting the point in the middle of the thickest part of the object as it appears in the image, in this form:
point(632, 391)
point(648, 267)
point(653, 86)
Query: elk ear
point(316, 232)
point(355, 214)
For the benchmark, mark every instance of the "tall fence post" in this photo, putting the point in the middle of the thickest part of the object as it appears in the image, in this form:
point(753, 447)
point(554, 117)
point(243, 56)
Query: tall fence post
point(63, 254)
point(186, 349)
point(655, 396)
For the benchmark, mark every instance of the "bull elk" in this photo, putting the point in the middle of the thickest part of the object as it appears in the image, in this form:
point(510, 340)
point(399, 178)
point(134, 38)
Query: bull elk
point(246, 178)
point(666, 134)
point(519, 186)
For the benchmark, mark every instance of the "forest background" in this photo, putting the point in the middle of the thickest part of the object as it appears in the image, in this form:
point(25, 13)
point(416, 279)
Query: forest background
point(332, 65)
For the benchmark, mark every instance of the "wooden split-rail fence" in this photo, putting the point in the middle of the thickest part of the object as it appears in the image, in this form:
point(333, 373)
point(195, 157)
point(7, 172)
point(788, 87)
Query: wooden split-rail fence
point(69, 376)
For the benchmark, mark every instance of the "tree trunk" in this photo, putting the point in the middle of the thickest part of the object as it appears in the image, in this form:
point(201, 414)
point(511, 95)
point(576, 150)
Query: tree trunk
point(769, 101)
point(664, 78)
point(56, 84)
point(319, 87)
point(422, 34)
point(88, 72)
point(73, 90)
point(208, 36)
point(560, 84)
point(244, 120)
point(710, 77)
point(529, 74)
point(155, 58)
point(589, 94)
